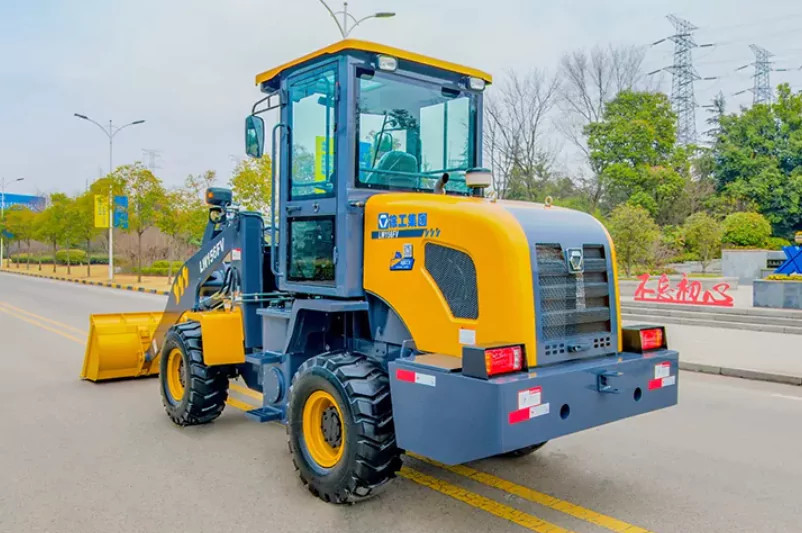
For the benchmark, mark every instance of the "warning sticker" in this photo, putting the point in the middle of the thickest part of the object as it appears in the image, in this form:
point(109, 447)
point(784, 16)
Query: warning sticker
point(539, 410)
point(663, 370)
point(529, 397)
point(425, 379)
point(467, 336)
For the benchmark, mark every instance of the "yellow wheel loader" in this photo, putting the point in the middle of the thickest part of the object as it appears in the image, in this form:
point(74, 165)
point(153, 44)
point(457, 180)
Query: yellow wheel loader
point(389, 304)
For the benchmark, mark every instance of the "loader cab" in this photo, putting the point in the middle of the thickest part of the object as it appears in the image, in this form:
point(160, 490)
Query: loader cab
point(353, 120)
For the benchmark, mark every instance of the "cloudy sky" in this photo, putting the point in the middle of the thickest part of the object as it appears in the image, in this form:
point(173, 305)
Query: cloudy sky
point(187, 66)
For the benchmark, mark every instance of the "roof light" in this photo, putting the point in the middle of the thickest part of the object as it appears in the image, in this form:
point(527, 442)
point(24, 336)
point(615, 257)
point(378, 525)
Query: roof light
point(388, 63)
point(476, 84)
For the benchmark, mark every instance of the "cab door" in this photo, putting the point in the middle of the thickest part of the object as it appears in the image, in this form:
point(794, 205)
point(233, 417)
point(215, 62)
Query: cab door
point(308, 217)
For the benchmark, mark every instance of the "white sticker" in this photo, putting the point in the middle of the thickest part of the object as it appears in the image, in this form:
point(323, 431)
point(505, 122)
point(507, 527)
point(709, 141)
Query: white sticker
point(529, 397)
point(425, 379)
point(539, 410)
point(669, 381)
point(236, 254)
point(662, 370)
point(467, 336)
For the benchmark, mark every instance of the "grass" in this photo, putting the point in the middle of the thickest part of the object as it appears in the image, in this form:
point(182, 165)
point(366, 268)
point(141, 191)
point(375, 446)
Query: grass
point(98, 273)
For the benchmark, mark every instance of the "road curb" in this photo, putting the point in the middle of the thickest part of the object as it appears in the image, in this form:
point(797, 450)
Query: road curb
point(93, 283)
point(754, 375)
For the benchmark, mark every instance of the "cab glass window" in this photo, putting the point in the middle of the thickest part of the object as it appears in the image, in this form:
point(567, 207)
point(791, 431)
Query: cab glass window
point(411, 132)
point(312, 120)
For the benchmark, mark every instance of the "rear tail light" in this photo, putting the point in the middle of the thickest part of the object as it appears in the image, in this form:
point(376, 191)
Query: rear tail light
point(488, 361)
point(641, 339)
point(503, 360)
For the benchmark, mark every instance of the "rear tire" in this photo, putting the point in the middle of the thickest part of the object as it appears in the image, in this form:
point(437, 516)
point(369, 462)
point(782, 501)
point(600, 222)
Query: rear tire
point(192, 392)
point(523, 452)
point(340, 427)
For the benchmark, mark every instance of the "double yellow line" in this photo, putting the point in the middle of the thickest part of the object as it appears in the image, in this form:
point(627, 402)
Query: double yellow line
point(489, 505)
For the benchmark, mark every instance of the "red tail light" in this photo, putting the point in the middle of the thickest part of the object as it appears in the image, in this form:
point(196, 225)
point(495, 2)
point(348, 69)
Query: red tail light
point(503, 360)
point(651, 339)
point(639, 339)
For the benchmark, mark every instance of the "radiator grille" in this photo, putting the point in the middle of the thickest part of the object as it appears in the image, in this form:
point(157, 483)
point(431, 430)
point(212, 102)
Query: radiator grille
point(572, 304)
point(455, 275)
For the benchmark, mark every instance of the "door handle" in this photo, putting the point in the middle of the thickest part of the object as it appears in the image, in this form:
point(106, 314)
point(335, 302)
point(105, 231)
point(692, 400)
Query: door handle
point(292, 208)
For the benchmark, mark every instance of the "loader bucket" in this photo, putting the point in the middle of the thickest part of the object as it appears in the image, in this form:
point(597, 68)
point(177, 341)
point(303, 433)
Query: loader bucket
point(117, 346)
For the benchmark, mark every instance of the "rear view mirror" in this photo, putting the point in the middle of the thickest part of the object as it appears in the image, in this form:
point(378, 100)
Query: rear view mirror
point(254, 136)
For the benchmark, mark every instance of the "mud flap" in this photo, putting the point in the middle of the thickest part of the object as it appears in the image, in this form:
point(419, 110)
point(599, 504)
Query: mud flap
point(118, 344)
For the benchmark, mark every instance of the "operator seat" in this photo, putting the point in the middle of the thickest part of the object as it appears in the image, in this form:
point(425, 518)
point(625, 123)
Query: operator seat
point(397, 161)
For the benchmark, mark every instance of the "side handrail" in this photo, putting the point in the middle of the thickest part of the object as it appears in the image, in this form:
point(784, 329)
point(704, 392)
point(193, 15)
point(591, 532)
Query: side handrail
point(274, 262)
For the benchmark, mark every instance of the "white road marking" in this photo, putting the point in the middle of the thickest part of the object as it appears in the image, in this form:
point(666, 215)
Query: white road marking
point(787, 397)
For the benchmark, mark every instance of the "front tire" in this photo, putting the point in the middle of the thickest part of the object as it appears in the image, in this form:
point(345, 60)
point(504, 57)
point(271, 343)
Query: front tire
point(340, 427)
point(523, 452)
point(192, 392)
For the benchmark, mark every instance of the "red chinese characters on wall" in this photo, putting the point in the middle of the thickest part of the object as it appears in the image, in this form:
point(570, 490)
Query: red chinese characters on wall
point(685, 292)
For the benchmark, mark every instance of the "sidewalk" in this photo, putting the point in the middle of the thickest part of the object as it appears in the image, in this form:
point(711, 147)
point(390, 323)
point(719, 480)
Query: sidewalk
point(763, 356)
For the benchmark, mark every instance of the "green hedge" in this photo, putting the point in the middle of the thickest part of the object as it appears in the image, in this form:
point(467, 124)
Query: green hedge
point(153, 271)
point(166, 264)
point(95, 259)
point(73, 257)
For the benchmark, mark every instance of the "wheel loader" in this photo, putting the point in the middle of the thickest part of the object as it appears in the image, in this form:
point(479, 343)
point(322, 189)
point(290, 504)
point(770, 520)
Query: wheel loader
point(388, 302)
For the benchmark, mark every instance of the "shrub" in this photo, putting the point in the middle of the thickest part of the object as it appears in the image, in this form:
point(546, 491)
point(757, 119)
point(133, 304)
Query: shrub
point(166, 264)
point(72, 257)
point(746, 230)
point(777, 243)
point(703, 237)
point(152, 271)
point(635, 235)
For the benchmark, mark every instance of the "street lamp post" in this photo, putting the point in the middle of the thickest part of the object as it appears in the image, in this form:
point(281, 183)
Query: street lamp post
point(3, 185)
point(110, 132)
point(346, 16)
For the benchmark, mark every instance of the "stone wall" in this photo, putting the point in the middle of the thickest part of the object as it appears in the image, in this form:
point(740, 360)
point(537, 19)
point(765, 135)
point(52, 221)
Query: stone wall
point(777, 294)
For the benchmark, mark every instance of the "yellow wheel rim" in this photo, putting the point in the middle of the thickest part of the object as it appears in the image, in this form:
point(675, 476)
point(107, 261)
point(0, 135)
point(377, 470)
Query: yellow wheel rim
point(175, 374)
point(323, 429)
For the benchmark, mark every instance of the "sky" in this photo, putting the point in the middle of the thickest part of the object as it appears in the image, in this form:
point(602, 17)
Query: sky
point(187, 67)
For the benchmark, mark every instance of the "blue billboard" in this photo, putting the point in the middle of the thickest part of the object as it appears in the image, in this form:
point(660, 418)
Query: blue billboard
point(34, 203)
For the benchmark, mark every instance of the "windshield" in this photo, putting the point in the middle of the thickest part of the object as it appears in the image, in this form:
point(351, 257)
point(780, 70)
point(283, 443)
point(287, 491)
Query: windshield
point(411, 133)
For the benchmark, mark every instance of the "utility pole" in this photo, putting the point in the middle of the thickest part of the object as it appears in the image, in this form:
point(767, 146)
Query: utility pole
point(110, 132)
point(346, 17)
point(3, 185)
point(683, 76)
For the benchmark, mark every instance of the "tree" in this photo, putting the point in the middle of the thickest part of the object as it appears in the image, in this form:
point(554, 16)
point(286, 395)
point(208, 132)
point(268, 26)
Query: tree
point(635, 235)
point(251, 184)
point(20, 224)
point(589, 80)
point(759, 160)
point(85, 230)
point(516, 129)
point(633, 151)
point(703, 237)
point(749, 230)
point(51, 228)
point(145, 198)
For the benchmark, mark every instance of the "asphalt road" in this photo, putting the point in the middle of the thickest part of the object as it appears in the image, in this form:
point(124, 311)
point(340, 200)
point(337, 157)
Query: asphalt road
point(82, 457)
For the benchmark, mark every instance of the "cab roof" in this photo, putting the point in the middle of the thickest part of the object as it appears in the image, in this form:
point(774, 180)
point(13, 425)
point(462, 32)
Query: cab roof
point(366, 46)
